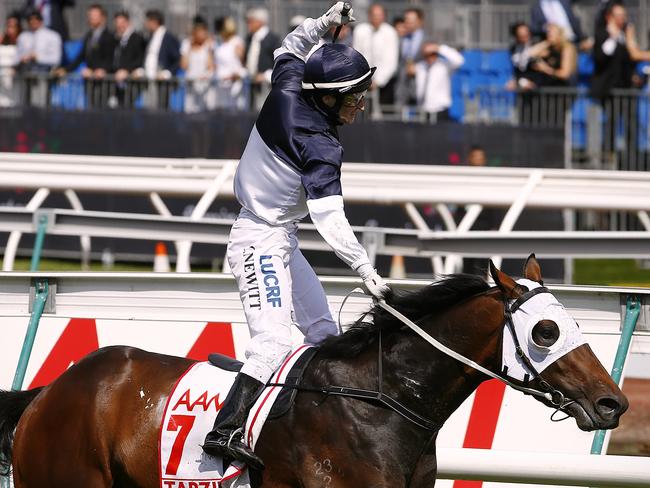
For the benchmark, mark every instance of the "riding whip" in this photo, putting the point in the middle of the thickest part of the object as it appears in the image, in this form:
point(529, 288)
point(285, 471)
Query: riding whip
point(346, 10)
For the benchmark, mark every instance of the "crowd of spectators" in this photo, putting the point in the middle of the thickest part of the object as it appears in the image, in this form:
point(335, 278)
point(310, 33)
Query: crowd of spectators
point(218, 66)
point(221, 68)
point(545, 52)
point(118, 63)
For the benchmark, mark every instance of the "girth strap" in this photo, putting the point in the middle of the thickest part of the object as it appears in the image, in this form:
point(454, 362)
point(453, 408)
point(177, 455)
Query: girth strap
point(368, 395)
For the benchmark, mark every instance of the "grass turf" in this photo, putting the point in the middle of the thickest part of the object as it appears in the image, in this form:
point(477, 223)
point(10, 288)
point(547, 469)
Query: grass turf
point(610, 272)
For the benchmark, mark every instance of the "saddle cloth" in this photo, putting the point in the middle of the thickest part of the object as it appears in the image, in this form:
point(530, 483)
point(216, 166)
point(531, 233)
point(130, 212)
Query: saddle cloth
point(189, 414)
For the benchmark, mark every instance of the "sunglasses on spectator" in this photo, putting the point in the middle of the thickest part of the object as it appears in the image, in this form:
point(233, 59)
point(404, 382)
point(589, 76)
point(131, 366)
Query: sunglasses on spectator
point(354, 99)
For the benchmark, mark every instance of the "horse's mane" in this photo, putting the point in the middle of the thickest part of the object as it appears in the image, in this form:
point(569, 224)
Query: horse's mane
point(433, 298)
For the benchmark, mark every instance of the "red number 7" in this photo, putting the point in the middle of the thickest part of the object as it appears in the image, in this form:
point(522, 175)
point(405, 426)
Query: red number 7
point(184, 423)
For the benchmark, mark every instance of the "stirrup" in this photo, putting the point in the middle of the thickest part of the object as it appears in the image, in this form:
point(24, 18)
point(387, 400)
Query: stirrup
point(234, 449)
point(239, 431)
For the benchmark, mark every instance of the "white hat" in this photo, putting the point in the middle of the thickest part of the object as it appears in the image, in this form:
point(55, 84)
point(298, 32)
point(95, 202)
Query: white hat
point(297, 20)
point(260, 14)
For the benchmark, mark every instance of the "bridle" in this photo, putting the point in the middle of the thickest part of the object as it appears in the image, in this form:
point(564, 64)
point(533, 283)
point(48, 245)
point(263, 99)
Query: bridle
point(553, 395)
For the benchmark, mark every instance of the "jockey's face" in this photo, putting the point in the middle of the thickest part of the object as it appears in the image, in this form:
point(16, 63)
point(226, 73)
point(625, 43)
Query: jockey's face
point(348, 114)
point(351, 106)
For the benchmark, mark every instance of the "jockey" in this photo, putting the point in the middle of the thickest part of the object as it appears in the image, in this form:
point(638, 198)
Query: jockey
point(291, 167)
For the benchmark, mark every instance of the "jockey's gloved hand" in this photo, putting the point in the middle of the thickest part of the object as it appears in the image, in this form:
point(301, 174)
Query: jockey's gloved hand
point(334, 17)
point(373, 284)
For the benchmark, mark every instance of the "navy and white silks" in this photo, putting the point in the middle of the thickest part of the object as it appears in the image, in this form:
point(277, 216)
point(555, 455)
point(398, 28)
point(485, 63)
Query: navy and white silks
point(291, 167)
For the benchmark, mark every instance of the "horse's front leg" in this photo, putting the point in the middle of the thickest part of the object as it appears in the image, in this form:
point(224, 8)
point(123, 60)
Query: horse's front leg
point(426, 468)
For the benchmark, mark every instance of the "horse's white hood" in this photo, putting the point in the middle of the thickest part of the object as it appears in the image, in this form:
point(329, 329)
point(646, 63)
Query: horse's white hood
point(543, 306)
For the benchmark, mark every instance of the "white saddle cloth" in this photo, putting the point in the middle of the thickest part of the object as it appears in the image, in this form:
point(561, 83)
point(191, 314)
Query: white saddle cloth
point(189, 415)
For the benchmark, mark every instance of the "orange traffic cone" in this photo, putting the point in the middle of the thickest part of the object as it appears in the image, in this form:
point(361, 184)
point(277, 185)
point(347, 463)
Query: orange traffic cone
point(161, 259)
point(397, 268)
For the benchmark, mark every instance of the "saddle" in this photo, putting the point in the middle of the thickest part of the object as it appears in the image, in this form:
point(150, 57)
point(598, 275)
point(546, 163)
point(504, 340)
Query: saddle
point(287, 395)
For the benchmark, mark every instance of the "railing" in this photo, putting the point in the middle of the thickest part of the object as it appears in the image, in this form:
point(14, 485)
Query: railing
point(73, 92)
point(377, 184)
point(177, 94)
point(380, 241)
point(613, 133)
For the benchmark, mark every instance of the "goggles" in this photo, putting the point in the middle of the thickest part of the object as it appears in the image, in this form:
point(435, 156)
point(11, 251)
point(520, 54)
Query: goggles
point(354, 99)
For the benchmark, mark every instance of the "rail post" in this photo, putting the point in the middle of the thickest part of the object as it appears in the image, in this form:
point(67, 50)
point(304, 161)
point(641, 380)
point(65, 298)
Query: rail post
point(632, 311)
point(41, 220)
point(40, 297)
point(38, 305)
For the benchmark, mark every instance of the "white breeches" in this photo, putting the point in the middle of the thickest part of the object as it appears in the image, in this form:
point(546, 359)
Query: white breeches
point(277, 287)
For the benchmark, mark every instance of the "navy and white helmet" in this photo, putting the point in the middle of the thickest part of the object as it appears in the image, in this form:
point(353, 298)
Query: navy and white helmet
point(337, 69)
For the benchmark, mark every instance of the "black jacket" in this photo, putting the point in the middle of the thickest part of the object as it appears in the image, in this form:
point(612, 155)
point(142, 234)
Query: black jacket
point(268, 45)
point(538, 20)
point(129, 56)
point(615, 71)
point(57, 20)
point(169, 56)
point(96, 56)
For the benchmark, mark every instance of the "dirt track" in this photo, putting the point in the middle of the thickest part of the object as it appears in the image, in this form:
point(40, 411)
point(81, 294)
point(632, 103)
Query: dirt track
point(633, 435)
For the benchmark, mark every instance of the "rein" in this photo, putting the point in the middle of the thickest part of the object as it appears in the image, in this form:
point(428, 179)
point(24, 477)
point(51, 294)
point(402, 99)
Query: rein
point(553, 395)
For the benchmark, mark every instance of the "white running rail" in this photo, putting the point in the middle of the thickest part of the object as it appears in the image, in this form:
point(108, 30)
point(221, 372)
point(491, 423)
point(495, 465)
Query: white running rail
point(515, 189)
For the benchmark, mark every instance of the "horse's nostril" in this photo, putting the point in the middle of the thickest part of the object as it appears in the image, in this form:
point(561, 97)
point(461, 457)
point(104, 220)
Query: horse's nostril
point(608, 406)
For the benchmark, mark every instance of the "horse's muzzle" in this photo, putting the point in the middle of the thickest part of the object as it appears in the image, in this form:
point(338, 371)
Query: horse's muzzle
point(610, 408)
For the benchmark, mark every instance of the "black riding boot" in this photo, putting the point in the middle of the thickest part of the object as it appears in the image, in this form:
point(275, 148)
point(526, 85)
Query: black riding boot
point(226, 438)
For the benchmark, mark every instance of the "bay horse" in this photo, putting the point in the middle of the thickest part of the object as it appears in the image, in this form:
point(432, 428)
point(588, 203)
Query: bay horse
point(90, 428)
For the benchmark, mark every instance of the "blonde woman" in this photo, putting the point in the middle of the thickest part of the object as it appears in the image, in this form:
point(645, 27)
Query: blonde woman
point(197, 59)
point(230, 72)
point(555, 58)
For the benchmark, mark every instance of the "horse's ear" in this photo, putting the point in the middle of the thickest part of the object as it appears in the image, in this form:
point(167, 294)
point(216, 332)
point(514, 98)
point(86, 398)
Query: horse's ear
point(532, 270)
point(507, 285)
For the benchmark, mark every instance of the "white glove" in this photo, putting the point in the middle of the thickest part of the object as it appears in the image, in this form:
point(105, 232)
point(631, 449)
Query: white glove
point(334, 17)
point(373, 283)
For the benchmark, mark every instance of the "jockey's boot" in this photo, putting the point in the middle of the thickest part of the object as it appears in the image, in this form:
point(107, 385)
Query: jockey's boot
point(226, 440)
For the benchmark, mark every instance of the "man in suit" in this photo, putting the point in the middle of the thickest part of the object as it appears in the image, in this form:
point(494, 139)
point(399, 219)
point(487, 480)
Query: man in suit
point(162, 57)
point(52, 13)
point(558, 12)
point(260, 45)
point(128, 57)
point(616, 53)
point(410, 55)
point(97, 54)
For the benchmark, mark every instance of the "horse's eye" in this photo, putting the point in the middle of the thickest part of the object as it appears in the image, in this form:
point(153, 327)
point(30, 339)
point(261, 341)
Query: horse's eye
point(545, 333)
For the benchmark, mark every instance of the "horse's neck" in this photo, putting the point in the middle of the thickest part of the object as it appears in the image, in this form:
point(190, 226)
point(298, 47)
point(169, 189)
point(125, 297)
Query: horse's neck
point(419, 376)
point(433, 384)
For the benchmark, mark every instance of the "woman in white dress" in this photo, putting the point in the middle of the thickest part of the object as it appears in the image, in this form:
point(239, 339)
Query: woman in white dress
point(197, 59)
point(230, 73)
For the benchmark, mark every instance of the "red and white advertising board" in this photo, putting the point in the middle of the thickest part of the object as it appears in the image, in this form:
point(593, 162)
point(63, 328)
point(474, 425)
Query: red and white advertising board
point(194, 315)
